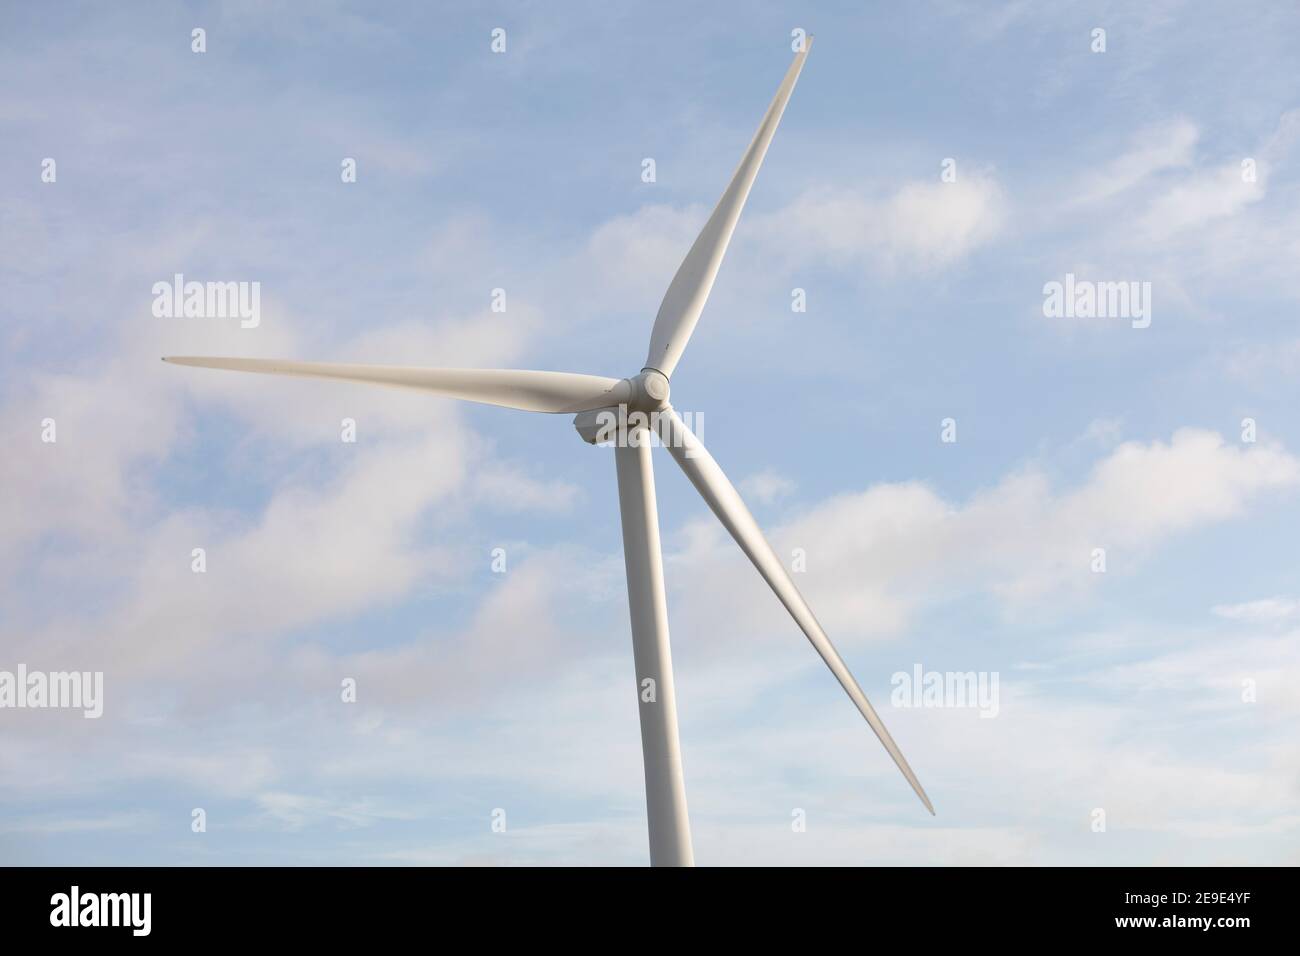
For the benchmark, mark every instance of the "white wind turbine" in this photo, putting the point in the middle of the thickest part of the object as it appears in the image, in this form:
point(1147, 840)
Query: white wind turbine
point(597, 401)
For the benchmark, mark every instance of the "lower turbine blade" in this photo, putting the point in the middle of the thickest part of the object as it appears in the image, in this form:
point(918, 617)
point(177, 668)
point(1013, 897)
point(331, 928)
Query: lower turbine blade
point(722, 497)
point(510, 388)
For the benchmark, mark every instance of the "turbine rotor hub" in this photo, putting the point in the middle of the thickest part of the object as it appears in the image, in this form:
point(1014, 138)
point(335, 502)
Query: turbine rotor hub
point(646, 394)
point(650, 391)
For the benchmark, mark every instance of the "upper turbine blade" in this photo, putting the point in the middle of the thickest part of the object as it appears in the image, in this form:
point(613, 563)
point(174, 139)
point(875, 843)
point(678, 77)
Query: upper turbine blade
point(509, 388)
point(722, 497)
point(685, 299)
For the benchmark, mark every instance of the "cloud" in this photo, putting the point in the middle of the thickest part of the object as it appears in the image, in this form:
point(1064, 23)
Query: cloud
point(1216, 193)
point(876, 556)
point(1190, 195)
point(1156, 148)
point(1189, 213)
point(506, 488)
point(1264, 611)
point(918, 227)
point(766, 487)
point(638, 253)
point(922, 226)
point(106, 424)
point(531, 625)
point(294, 811)
point(52, 823)
point(1225, 189)
point(1252, 363)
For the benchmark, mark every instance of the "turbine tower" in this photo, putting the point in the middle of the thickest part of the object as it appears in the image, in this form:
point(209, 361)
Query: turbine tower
point(626, 411)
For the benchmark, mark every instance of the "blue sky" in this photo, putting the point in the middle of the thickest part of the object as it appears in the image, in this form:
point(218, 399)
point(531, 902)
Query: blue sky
point(1120, 691)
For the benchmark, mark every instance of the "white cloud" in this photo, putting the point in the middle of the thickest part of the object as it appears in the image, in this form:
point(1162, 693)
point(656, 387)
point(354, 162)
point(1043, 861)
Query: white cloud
point(1222, 190)
point(766, 487)
point(531, 625)
point(506, 488)
point(107, 423)
point(294, 811)
point(1276, 360)
point(1204, 196)
point(637, 254)
point(1171, 212)
point(52, 823)
point(1263, 611)
point(1156, 148)
point(875, 556)
point(922, 226)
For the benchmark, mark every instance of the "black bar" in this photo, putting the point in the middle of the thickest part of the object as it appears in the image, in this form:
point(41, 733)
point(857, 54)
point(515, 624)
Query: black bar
point(978, 906)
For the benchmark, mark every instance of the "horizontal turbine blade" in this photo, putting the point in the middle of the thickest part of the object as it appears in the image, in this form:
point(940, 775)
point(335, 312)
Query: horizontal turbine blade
point(722, 497)
point(690, 288)
point(509, 388)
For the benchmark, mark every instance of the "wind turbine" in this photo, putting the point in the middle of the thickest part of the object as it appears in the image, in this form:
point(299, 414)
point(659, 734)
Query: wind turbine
point(640, 404)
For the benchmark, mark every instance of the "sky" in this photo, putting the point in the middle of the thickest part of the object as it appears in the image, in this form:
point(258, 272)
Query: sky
point(1098, 513)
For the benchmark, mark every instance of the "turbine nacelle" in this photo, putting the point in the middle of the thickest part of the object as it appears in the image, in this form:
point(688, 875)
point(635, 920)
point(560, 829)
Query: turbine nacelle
point(640, 401)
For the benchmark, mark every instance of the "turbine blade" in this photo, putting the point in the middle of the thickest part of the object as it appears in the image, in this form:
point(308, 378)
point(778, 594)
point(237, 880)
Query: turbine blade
point(689, 290)
point(509, 388)
point(722, 497)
